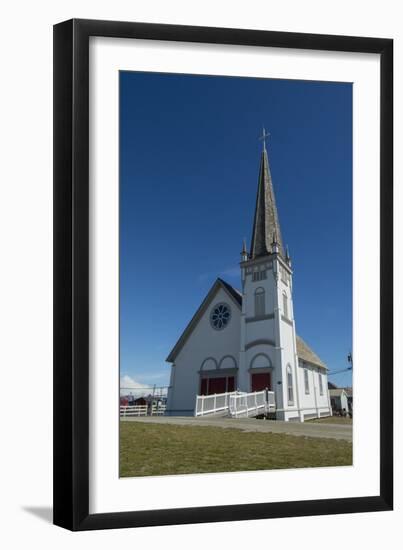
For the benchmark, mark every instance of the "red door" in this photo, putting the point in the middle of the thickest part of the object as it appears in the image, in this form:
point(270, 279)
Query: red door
point(204, 386)
point(261, 381)
point(231, 383)
point(209, 386)
point(216, 385)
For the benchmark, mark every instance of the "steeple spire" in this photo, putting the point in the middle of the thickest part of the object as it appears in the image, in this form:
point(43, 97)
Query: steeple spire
point(266, 223)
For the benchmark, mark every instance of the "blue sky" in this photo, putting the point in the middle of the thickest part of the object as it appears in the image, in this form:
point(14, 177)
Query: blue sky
point(189, 160)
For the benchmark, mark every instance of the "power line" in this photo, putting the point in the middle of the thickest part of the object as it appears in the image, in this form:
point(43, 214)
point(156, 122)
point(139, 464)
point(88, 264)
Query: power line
point(339, 371)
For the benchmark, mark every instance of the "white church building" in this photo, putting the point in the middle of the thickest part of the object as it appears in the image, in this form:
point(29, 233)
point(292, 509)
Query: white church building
point(246, 339)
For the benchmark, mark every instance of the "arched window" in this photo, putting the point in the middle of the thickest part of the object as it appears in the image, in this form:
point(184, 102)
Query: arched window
point(306, 380)
point(320, 384)
point(290, 389)
point(285, 305)
point(260, 307)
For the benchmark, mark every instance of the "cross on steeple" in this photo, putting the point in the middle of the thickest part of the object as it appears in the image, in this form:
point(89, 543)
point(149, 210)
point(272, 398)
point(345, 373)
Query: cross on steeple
point(263, 138)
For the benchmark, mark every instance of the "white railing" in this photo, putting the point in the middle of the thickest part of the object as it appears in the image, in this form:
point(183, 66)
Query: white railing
point(236, 404)
point(248, 404)
point(271, 402)
point(158, 410)
point(133, 410)
point(212, 404)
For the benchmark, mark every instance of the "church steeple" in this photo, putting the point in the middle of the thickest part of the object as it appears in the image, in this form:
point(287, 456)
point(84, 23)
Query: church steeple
point(266, 223)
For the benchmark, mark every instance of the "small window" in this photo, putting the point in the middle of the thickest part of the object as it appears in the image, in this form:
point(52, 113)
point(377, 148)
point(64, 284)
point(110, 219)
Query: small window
point(259, 275)
point(285, 305)
point(290, 388)
point(306, 380)
point(320, 384)
point(260, 306)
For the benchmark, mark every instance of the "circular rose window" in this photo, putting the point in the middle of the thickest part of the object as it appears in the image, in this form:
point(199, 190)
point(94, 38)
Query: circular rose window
point(220, 316)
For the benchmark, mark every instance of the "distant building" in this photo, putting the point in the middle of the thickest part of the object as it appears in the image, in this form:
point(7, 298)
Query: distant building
point(127, 400)
point(152, 402)
point(140, 401)
point(339, 400)
point(144, 405)
point(349, 392)
point(247, 339)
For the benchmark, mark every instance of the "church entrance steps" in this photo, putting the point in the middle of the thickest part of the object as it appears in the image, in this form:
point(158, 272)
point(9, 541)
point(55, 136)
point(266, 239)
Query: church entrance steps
point(236, 404)
point(213, 405)
point(252, 404)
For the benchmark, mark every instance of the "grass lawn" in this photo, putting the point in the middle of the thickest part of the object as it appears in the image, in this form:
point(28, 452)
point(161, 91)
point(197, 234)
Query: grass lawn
point(156, 449)
point(333, 420)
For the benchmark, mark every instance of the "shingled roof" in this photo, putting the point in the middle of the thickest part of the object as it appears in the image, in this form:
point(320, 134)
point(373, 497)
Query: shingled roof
point(337, 392)
point(266, 225)
point(305, 353)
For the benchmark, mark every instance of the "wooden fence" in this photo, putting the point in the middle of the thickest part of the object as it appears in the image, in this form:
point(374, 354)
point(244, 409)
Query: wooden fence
point(142, 410)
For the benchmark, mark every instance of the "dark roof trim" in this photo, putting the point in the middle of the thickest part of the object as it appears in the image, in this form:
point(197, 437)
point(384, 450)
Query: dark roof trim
point(233, 291)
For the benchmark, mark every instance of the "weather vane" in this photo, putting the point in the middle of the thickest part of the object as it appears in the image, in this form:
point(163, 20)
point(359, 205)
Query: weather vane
point(263, 138)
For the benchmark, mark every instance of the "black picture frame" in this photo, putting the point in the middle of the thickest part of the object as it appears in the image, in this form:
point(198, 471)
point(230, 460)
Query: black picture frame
point(71, 274)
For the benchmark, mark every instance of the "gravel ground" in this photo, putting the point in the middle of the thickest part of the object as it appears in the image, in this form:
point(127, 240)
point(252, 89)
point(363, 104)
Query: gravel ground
point(304, 429)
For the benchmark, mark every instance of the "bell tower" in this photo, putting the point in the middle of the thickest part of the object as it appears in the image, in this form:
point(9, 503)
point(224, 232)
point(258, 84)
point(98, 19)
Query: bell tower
point(268, 354)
